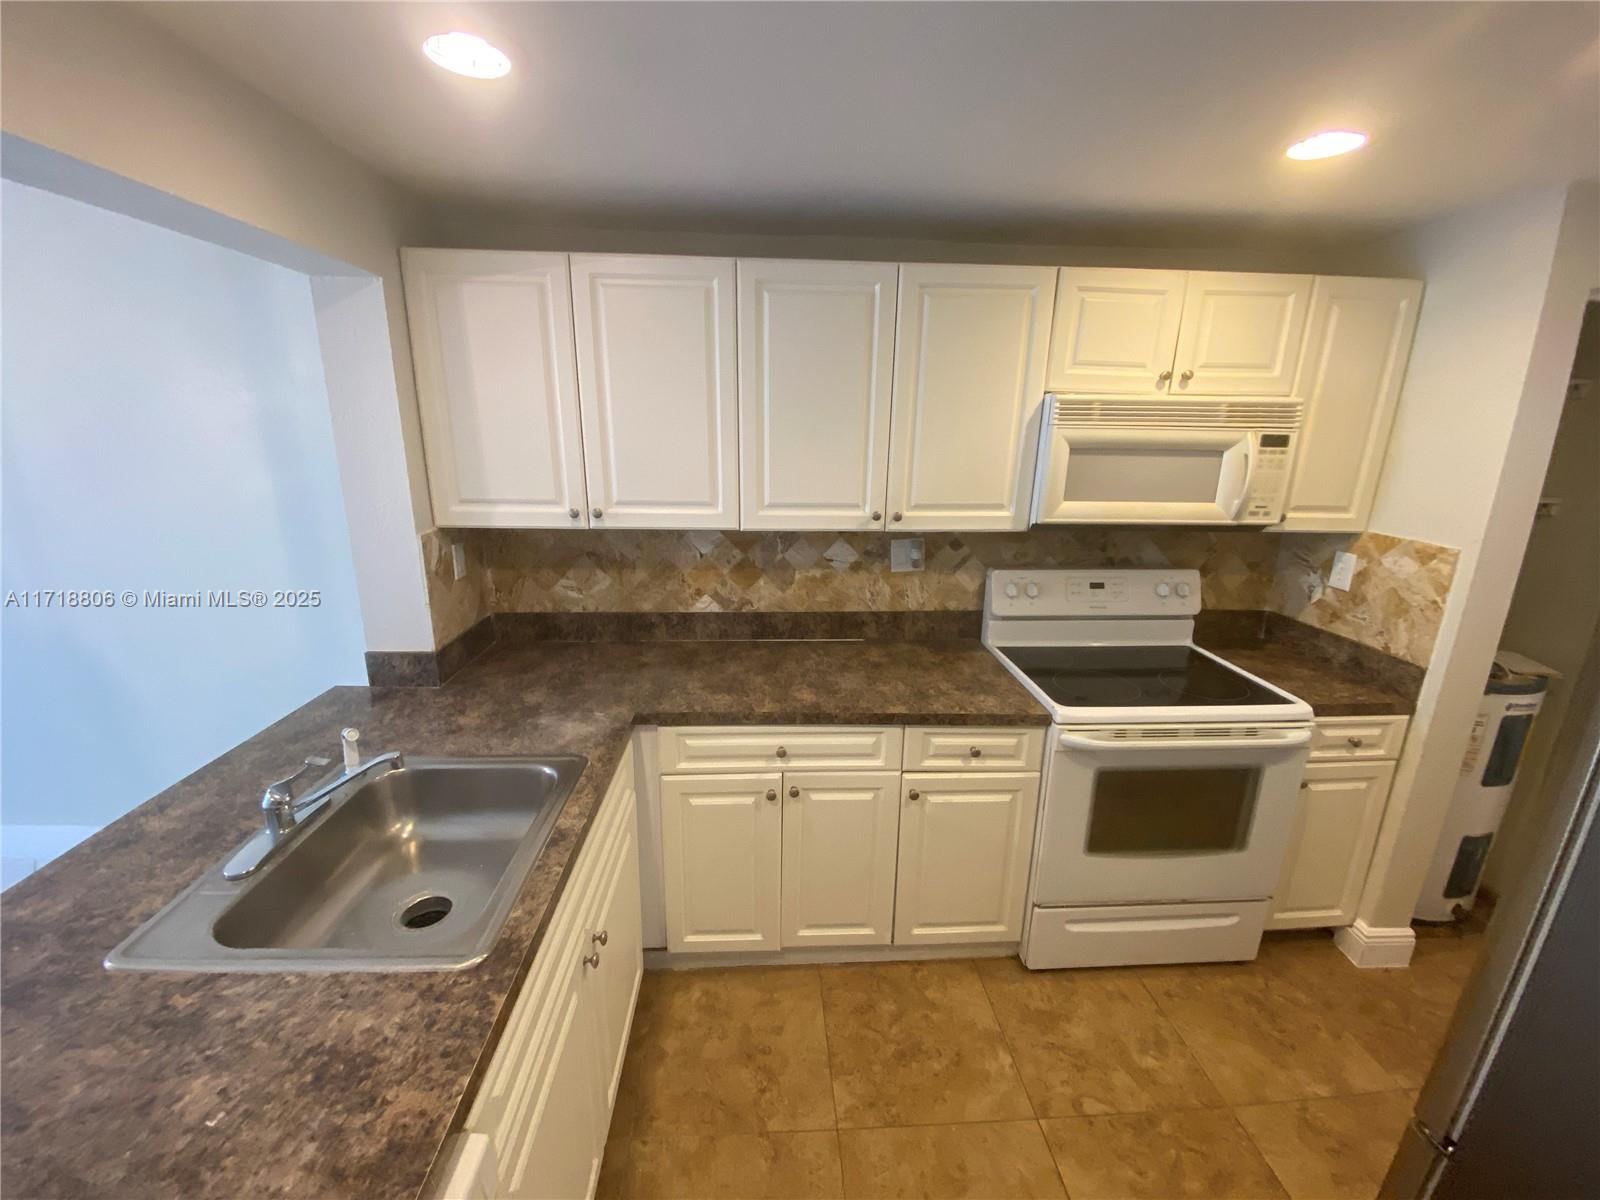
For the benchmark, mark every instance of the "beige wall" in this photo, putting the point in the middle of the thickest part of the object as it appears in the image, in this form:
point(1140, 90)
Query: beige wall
point(99, 84)
point(1505, 289)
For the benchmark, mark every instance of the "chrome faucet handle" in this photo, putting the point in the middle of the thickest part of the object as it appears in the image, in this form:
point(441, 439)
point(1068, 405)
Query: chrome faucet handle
point(279, 796)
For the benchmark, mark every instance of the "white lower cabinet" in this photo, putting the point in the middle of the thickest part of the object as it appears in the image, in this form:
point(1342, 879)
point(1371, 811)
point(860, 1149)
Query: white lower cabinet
point(537, 1128)
point(721, 849)
point(965, 844)
point(840, 838)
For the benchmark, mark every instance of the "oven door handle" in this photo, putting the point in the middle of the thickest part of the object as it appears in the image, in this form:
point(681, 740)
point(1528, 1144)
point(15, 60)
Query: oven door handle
point(1277, 740)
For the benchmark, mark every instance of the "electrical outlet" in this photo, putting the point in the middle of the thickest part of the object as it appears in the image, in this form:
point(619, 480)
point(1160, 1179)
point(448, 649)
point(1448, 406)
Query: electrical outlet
point(458, 559)
point(1344, 571)
point(905, 554)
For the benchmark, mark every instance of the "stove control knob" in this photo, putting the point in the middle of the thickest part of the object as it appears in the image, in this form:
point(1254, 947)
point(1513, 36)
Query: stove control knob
point(1183, 590)
point(1011, 591)
point(1163, 590)
point(1033, 591)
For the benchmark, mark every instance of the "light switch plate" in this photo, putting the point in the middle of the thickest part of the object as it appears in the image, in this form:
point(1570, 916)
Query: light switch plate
point(1344, 571)
point(458, 559)
point(905, 554)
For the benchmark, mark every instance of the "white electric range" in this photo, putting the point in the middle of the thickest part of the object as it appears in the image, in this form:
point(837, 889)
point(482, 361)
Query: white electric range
point(1173, 782)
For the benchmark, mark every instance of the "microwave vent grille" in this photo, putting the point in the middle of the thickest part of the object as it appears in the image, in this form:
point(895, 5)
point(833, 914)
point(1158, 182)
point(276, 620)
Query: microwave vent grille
point(1167, 733)
point(1132, 412)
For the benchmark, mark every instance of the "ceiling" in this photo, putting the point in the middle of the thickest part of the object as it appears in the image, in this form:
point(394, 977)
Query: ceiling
point(1022, 122)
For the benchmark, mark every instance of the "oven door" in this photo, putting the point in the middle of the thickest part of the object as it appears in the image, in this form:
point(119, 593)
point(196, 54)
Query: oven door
point(1152, 814)
point(1150, 476)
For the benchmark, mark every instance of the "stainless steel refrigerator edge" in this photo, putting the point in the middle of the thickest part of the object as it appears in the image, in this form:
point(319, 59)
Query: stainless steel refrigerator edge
point(1509, 1108)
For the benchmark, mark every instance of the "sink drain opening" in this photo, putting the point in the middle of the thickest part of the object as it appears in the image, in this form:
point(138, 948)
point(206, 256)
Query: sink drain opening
point(430, 910)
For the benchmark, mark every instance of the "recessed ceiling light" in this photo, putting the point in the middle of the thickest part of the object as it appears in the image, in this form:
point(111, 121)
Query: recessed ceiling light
point(1328, 144)
point(466, 54)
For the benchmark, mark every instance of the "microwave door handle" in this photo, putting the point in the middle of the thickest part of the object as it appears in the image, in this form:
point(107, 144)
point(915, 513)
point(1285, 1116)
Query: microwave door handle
point(1284, 740)
point(1232, 502)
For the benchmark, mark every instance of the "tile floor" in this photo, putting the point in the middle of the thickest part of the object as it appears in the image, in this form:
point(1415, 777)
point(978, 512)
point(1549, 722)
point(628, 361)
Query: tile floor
point(1289, 1076)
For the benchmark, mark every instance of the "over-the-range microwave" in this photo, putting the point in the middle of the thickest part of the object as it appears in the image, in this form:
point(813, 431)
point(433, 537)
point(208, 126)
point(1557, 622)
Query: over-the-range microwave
point(1200, 460)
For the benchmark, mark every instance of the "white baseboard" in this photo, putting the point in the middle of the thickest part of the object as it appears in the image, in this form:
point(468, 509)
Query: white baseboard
point(669, 960)
point(1370, 946)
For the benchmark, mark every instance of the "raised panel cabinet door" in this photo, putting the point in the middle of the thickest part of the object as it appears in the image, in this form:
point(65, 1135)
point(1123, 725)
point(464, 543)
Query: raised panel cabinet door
point(965, 845)
point(1341, 807)
point(722, 854)
point(970, 349)
point(617, 945)
point(816, 355)
point(1358, 341)
point(840, 838)
point(1240, 334)
point(491, 337)
point(658, 388)
point(1115, 330)
point(556, 1152)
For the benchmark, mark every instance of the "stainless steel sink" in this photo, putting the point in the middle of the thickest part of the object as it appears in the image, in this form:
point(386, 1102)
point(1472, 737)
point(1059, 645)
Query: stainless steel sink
point(410, 869)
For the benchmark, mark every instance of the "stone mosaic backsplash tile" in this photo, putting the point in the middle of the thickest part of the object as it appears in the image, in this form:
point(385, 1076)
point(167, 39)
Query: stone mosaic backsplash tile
point(1396, 599)
point(710, 571)
point(455, 605)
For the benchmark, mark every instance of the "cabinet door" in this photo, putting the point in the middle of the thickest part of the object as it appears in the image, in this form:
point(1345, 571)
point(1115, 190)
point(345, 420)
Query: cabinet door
point(840, 835)
point(491, 335)
point(965, 845)
point(721, 849)
point(1341, 806)
point(657, 384)
point(1240, 334)
point(617, 940)
point(816, 351)
point(555, 1154)
point(970, 349)
point(1115, 330)
point(1358, 341)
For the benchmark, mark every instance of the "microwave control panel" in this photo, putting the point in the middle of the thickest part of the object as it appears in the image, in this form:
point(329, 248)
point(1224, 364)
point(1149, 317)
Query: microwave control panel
point(1165, 592)
point(1269, 486)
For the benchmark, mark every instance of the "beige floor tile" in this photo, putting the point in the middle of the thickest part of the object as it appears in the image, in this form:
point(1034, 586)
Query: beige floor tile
point(1261, 1039)
point(1337, 1149)
point(1159, 1156)
point(1003, 1160)
point(917, 1044)
point(738, 1166)
point(741, 1050)
point(1092, 1042)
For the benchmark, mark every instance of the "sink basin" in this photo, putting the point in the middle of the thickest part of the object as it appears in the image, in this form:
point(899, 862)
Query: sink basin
point(414, 868)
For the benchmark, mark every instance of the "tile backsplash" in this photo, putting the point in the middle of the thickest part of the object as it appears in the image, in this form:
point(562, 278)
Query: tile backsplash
point(1394, 605)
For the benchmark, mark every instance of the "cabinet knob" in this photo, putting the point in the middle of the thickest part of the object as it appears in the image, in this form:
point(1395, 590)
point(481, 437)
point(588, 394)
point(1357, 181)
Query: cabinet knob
point(974, 752)
point(1164, 377)
point(877, 514)
point(897, 516)
point(596, 513)
point(592, 960)
point(1355, 742)
point(574, 513)
point(601, 938)
point(794, 793)
point(1185, 377)
point(782, 753)
point(913, 794)
point(772, 793)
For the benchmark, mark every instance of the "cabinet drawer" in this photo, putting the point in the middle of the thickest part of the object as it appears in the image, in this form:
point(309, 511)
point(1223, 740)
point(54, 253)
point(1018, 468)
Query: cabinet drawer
point(847, 748)
point(974, 749)
point(1358, 737)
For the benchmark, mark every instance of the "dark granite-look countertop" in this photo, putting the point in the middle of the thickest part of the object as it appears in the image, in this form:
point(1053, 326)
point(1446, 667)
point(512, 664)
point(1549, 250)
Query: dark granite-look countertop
point(135, 1084)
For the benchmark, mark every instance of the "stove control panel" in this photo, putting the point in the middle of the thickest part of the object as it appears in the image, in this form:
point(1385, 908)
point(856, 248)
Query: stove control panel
point(1165, 592)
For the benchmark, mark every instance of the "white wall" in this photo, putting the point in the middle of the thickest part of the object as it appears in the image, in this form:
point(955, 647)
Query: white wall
point(1506, 285)
point(165, 428)
point(103, 86)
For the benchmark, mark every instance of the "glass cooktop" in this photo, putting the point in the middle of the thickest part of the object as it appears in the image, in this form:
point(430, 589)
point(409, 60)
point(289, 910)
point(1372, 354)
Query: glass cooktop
point(1136, 677)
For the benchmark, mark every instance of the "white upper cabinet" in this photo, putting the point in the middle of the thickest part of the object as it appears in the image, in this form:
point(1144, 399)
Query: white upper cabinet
point(656, 372)
point(970, 350)
point(816, 352)
point(491, 335)
point(1115, 330)
point(1357, 345)
point(1240, 334)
